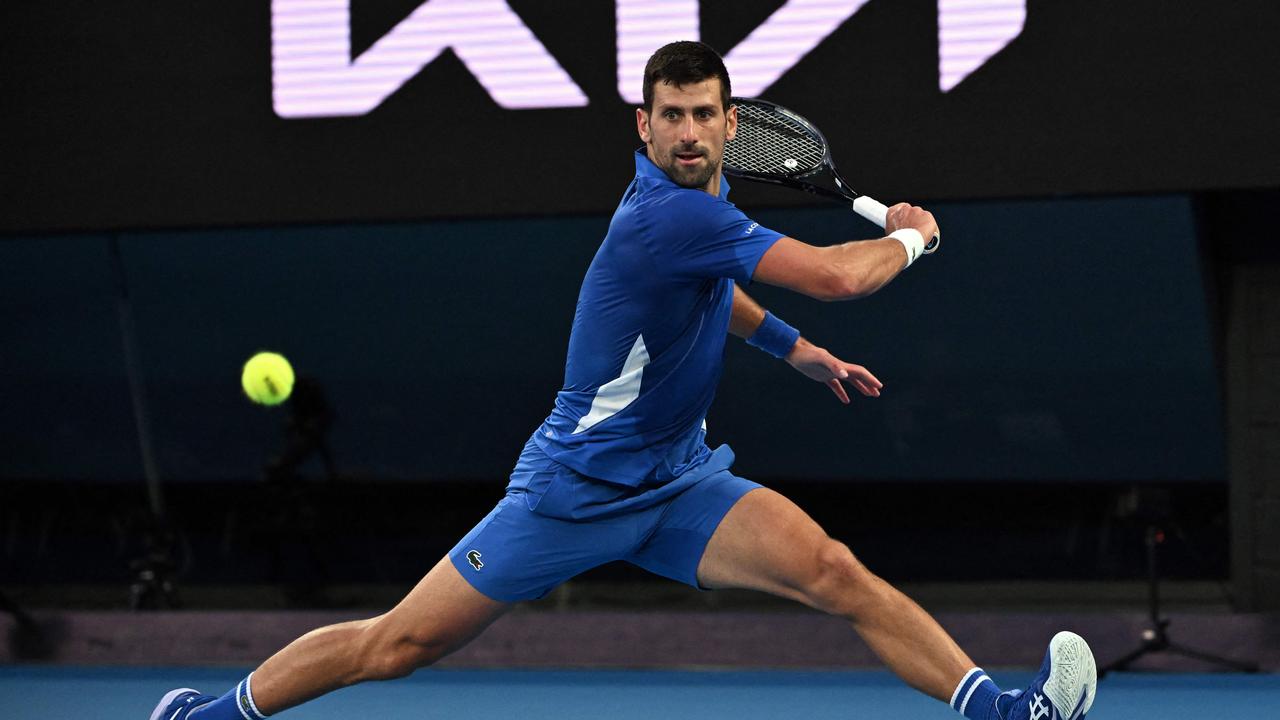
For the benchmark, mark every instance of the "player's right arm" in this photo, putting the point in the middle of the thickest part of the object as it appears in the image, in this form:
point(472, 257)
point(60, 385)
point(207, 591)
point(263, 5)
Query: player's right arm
point(847, 271)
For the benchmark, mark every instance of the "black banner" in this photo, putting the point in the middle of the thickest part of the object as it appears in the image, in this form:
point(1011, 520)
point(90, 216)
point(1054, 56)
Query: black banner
point(299, 111)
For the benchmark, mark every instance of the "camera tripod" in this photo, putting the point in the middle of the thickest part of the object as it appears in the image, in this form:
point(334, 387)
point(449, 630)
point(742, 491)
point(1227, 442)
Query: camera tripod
point(1155, 638)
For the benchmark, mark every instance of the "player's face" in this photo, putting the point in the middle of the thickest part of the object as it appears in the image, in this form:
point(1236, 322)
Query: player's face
point(686, 131)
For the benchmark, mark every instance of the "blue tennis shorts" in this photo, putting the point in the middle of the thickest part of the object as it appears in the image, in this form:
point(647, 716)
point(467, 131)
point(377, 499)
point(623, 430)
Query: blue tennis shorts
point(554, 523)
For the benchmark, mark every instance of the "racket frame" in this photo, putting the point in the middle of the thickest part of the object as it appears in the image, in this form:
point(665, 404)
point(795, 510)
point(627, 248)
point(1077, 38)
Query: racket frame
point(866, 206)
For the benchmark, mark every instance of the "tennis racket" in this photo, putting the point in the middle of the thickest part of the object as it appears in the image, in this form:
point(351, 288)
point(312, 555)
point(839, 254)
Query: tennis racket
point(775, 145)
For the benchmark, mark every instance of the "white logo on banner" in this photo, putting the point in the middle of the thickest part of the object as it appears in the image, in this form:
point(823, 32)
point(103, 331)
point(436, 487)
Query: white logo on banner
point(314, 75)
point(970, 32)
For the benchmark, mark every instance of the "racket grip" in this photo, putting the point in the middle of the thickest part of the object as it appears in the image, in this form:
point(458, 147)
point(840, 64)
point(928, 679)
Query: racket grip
point(878, 213)
point(873, 210)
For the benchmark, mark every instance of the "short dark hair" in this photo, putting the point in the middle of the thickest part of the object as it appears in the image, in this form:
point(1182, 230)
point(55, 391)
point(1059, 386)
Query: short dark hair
point(684, 63)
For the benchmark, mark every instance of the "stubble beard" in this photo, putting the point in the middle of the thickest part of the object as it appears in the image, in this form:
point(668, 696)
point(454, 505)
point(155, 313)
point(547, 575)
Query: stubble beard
point(697, 178)
point(694, 178)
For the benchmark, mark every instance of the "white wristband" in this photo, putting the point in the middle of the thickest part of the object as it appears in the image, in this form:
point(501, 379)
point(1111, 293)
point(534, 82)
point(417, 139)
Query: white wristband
point(912, 241)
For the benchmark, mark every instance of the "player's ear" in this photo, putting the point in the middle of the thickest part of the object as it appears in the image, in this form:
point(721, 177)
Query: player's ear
point(642, 125)
point(731, 122)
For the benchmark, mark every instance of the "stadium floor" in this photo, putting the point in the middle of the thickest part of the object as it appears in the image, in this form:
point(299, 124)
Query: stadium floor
point(45, 692)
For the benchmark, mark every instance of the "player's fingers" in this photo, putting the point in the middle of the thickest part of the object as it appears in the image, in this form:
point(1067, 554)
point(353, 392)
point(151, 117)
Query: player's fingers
point(839, 390)
point(863, 374)
point(866, 389)
point(929, 226)
point(894, 216)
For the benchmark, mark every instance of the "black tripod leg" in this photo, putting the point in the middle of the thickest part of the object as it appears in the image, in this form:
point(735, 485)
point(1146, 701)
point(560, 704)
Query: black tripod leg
point(1123, 663)
point(1239, 665)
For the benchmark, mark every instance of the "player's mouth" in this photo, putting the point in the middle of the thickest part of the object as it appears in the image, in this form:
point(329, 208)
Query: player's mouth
point(688, 159)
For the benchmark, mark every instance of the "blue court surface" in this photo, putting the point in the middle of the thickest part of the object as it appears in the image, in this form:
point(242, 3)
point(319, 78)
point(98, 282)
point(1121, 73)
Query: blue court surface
point(46, 693)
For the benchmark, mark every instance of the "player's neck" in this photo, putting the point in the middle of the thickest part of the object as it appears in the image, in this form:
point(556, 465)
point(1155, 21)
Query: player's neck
point(713, 185)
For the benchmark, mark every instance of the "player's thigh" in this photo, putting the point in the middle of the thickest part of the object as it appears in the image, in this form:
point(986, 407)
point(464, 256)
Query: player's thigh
point(442, 613)
point(765, 542)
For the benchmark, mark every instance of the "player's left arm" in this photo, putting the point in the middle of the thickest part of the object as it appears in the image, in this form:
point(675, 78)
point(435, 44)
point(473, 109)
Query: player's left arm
point(812, 361)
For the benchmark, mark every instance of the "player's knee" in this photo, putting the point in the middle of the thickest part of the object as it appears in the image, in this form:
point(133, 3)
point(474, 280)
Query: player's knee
point(841, 584)
point(389, 654)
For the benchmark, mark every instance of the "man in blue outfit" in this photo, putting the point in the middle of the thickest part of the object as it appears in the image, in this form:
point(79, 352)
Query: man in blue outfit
point(620, 469)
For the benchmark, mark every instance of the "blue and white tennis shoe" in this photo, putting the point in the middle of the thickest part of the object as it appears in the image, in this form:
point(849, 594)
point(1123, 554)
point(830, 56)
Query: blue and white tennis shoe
point(1063, 689)
point(178, 704)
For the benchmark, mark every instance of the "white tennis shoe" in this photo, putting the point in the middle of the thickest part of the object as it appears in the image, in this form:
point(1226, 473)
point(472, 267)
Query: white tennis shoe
point(1064, 688)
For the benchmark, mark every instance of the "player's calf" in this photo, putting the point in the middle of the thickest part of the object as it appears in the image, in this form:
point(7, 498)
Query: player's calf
point(387, 652)
point(361, 651)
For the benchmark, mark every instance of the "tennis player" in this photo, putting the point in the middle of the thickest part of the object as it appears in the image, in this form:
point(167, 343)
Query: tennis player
point(620, 469)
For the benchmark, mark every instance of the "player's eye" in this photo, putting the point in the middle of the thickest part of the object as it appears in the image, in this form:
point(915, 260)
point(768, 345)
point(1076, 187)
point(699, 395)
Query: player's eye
point(671, 115)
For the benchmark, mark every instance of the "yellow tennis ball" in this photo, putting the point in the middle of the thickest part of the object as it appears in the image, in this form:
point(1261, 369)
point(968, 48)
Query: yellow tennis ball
point(267, 378)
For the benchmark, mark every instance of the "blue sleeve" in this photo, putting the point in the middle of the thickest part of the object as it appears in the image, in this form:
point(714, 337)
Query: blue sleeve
point(700, 236)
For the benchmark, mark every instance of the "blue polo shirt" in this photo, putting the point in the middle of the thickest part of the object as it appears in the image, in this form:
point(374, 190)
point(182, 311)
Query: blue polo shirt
point(648, 335)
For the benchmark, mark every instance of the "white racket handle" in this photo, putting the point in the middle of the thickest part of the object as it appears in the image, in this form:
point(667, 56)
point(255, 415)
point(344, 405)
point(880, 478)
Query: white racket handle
point(878, 213)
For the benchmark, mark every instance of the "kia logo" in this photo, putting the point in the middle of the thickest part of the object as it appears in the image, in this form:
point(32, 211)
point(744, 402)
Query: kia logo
point(314, 75)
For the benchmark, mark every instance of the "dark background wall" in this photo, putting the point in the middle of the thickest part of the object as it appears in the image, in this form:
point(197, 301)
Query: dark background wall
point(1044, 343)
point(1101, 182)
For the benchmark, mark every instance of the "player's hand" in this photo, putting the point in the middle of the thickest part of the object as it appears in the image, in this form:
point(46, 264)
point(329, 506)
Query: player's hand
point(906, 215)
point(818, 364)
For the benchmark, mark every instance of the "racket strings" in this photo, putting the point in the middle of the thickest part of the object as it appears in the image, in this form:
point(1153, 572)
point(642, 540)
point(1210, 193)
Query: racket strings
point(768, 143)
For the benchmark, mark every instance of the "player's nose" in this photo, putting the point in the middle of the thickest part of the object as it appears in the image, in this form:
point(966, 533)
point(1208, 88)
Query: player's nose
point(688, 131)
